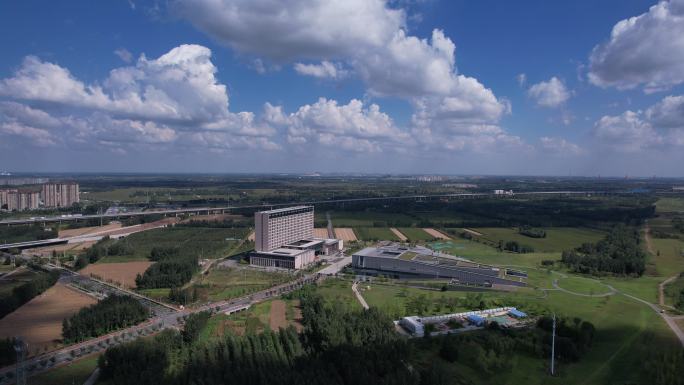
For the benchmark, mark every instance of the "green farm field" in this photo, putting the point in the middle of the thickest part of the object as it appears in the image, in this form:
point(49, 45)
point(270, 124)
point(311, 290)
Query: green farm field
point(375, 234)
point(415, 234)
point(208, 243)
point(366, 219)
point(557, 238)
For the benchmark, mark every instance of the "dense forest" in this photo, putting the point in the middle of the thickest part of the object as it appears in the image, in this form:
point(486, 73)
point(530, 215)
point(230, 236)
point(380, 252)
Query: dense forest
point(619, 253)
point(112, 313)
point(173, 269)
point(337, 346)
point(26, 291)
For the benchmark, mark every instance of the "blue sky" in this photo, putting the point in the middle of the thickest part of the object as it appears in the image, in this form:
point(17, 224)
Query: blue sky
point(455, 87)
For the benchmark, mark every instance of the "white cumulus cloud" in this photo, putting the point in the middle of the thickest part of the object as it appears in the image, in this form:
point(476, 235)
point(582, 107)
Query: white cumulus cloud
point(325, 69)
point(645, 50)
point(550, 93)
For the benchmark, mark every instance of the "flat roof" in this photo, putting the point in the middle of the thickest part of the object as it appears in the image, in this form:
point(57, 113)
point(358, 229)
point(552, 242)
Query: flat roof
point(283, 252)
point(285, 209)
point(420, 254)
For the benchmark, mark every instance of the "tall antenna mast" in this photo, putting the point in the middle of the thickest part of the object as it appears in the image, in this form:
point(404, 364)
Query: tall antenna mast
point(553, 345)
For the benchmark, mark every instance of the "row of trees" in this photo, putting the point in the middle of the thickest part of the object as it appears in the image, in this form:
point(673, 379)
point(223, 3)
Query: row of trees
point(618, 253)
point(515, 247)
point(173, 269)
point(112, 313)
point(103, 248)
point(532, 232)
point(27, 291)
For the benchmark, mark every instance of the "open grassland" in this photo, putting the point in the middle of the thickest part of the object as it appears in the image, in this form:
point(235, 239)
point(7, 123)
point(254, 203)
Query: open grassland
point(583, 285)
point(669, 256)
point(623, 327)
point(557, 238)
point(204, 242)
point(415, 234)
point(375, 234)
point(123, 273)
point(222, 284)
point(482, 253)
point(40, 320)
point(73, 373)
point(255, 320)
point(367, 219)
point(669, 205)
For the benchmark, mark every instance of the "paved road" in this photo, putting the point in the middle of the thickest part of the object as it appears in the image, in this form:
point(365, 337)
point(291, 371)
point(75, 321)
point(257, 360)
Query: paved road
point(336, 266)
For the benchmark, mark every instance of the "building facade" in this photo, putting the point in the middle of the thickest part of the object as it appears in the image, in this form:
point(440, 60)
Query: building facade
point(16, 200)
point(60, 194)
point(275, 228)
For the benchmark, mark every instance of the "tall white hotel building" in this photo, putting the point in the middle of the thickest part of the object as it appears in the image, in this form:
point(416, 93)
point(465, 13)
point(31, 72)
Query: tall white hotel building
point(275, 228)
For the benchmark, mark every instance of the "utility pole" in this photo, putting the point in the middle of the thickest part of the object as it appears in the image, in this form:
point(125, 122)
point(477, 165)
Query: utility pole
point(553, 345)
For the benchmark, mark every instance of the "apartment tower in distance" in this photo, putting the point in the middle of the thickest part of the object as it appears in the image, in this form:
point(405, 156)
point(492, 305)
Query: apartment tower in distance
point(279, 227)
point(60, 194)
point(18, 200)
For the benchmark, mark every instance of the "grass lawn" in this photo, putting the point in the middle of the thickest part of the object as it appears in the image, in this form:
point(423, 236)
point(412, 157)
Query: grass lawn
point(623, 328)
point(644, 287)
point(375, 234)
point(557, 238)
point(666, 205)
point(673, 290)
point(582, 285)
point(222, 284)
point(75, 373)
point(415, 234)
point(339, 292)
point(671, 259)
point(479, 252)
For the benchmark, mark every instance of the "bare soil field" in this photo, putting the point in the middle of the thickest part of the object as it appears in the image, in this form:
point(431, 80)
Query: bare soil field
point(40, 320)
point(277, 318)
point(436, 234)
point(473, 232)
point(88, 230)
point(321, 233)
point(251, 236)
point(123, 273)
point(398, 233)
point(345, 234)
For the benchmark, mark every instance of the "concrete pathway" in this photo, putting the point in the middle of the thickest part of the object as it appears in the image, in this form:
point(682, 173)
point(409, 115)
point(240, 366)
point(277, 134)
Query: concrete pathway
point(355, 289)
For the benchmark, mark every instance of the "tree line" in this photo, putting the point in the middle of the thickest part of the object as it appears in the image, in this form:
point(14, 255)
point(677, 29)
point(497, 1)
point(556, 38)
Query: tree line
point(338, 346)
point(619, 253)
point(27, 291)
point(110, 314)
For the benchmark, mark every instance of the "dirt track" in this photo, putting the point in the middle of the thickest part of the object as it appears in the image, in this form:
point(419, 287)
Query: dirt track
point(88, 230)
point(40, 320)
point(278, 318)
